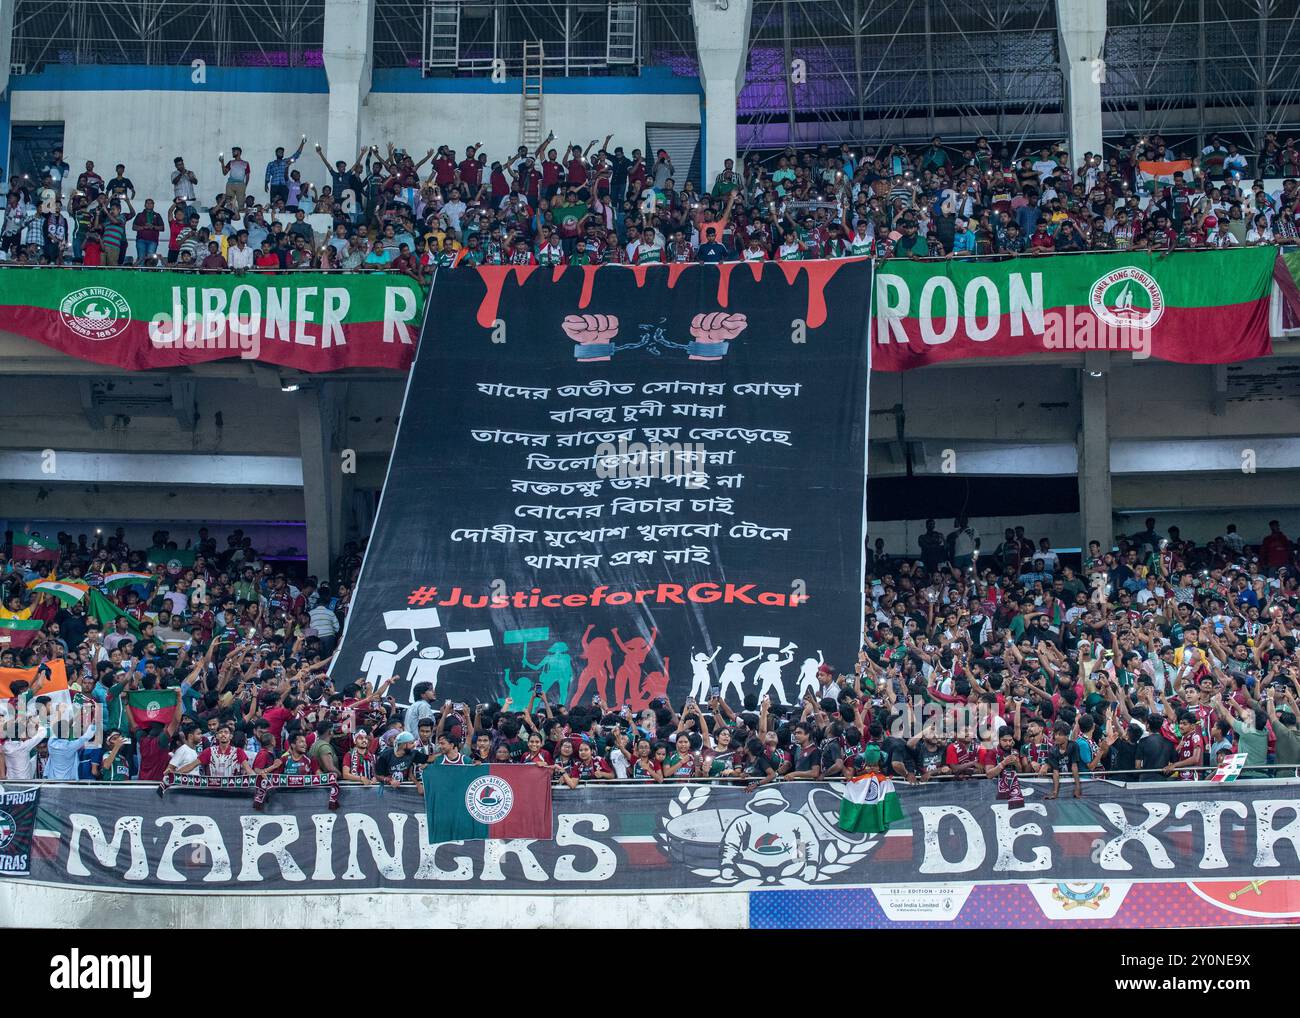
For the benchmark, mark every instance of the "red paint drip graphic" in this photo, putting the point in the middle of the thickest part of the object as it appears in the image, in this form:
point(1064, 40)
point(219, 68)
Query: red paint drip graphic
point(588, 281)
point(724, 283)
point(494, 277)
point(819, 274)
point(675, 269)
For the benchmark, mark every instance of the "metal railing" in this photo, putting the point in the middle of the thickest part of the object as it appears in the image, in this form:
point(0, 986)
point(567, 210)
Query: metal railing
point(900, 783)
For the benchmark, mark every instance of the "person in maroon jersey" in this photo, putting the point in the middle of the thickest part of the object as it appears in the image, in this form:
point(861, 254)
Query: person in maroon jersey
point(1005, 768)
point(471, 172)
point(224, 759)
point(565, 758)
point(444, 168)
point(552, 174)
point(267, 754)
point(535, 754)
point(962, 759)
point(587, 767)
point(359, 761)
point(1190, 752)
point(295, 764)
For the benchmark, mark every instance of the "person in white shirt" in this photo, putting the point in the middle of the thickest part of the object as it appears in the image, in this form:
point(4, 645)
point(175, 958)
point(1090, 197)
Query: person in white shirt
point(1051, 561)
point(1259, 232)
point(18, 764)
point(239, 255)
point(185, 758)
point(1044, 166)
point(1222, 237)
point(454, 209)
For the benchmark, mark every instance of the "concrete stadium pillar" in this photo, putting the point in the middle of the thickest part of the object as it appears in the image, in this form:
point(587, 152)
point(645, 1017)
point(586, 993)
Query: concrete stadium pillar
point(722, 40)
point(6, 54)
point(348, 40)
point(320, 482)
point(1081, 30)
point(1096, 511)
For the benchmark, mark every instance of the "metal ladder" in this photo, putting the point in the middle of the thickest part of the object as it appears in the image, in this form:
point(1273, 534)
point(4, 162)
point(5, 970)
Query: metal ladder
point(621, 32)
point(532, 115)
point(441, 34)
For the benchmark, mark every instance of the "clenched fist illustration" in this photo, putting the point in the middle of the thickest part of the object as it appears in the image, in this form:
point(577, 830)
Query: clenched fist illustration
point(712, 333)
point(592, 334)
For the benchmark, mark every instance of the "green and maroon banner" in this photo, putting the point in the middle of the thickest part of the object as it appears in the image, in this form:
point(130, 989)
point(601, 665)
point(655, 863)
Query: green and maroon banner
point(140, 319)
point(1288, 282)
point(1192, 307)
point(497, 801)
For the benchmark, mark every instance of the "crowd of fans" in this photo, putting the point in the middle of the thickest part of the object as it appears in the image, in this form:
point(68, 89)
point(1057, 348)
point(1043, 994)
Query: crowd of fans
point(401, 211)
point(1154, 660)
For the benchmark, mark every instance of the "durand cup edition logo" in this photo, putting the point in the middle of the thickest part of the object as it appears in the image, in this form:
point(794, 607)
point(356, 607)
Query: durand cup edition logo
point(96, 313)
point(489, 800)
point(1127, 298)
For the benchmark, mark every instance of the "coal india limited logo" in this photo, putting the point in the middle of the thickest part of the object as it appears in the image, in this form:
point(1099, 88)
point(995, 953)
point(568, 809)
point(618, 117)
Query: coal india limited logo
point(1127, 298)
point(489, 799)
point(8, 829)
point(95, 313)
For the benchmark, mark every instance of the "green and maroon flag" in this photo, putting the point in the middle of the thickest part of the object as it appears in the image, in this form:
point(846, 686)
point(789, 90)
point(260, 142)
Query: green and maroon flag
point(496, 801)
point(1288, 281)
point(15, 634)
point(143, 320)
point(153, 706)
point(1191, 307)
point(34, 549)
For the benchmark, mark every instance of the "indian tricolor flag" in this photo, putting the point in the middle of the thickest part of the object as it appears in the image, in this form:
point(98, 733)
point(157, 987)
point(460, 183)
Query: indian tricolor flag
point(1153, 175)
point(18, 633)
point(29, 548)
point(467, 803)
point(55, 685)
point(870, 804)
point(116, 581)
point(67, 591)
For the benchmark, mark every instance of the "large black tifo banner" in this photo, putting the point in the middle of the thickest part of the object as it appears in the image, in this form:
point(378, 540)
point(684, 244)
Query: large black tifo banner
point(617, 482)
point(666, 838)
point(17, 820)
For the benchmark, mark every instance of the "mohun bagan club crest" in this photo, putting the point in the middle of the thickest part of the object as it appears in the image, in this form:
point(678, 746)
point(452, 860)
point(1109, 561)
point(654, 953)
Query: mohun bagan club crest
point(96, 313)
point(8, 829)
point(489, 799)
point(1127, 298)
point(766, 844)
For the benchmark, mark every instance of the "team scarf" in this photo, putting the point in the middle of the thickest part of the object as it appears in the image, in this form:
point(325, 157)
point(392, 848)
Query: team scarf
point(361, 764)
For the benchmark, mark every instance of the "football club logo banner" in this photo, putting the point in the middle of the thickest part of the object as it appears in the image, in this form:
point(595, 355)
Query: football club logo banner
point(17, 821)
point(505, 829)
point(618, 483)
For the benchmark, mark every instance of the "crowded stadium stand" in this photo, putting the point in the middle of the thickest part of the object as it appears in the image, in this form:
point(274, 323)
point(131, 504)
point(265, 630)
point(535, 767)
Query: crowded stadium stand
point(1087, 545)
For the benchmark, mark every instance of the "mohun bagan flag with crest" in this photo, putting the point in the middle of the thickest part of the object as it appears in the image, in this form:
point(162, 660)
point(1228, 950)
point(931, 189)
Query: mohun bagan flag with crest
point(498, 801)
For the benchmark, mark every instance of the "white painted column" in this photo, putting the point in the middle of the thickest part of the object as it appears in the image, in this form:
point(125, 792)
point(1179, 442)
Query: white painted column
point(6, 43)
point(1096, 508)
point(349, 37)
point(1081, 30)
point(722, 41)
